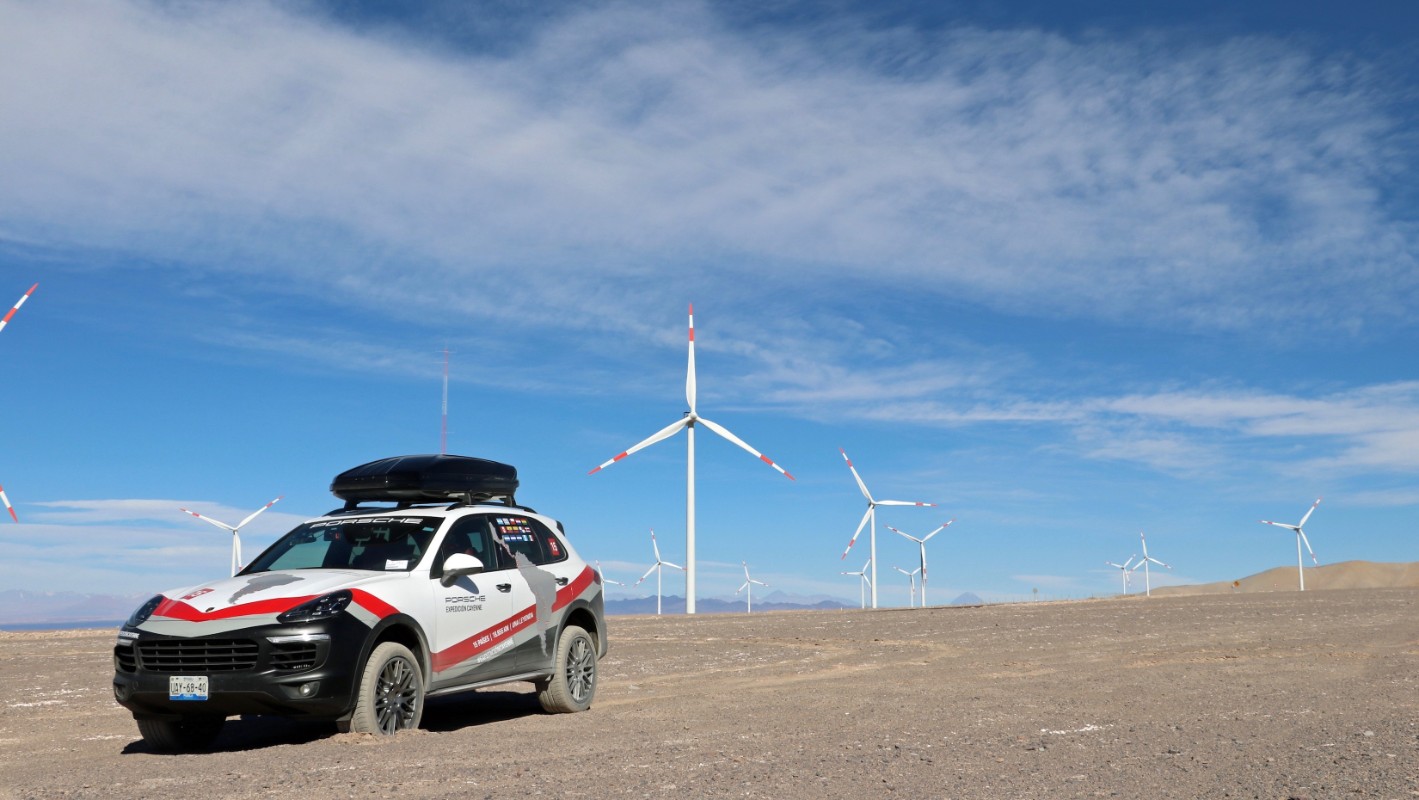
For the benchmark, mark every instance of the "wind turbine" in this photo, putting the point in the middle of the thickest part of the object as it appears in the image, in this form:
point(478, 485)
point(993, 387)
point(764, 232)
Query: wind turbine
point(605, 579)
point(1300, 537)
point(656, 568)
point(1147, 581)
point(688, 423)
point(748, 589)
point(236, 537)
point(862, 583)
point(872, 516)
point(1124, 568)
point(921, 543)
point(3, 322)
point(911, 576)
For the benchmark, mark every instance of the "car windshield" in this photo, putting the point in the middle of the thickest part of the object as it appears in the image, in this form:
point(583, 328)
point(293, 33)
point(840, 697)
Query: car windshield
point(380, 544)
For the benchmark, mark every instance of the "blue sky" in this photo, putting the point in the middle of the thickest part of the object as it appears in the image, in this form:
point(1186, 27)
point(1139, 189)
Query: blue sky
point(1070, 271)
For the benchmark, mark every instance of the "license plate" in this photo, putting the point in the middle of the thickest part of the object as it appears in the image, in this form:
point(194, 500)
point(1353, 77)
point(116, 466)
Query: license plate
point(187, 687)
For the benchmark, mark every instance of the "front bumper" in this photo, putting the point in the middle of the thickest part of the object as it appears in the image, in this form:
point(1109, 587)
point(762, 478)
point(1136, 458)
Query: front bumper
point(291, 670)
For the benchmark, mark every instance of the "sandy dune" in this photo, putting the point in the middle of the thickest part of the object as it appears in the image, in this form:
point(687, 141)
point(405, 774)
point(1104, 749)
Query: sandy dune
point(1271, 695)
point(1345, 575)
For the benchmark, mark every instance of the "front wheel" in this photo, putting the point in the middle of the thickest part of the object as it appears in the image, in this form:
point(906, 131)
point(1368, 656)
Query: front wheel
point(186, 734)
point(391, 695)
point(573, 683)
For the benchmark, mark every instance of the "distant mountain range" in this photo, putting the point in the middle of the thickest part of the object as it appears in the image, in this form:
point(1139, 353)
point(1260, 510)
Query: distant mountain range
point(773, 601)
point(20, 608)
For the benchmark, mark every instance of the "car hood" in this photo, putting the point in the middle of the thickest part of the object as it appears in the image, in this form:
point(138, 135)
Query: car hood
point(263, 587)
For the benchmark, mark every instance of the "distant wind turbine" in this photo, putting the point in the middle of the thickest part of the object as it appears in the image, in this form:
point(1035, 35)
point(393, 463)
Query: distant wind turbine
point(3, 322)
point(911, 576)
point(1147, 559)
point(1125, 569)
point(862, 583)
point(656, 568)
point(236, 537)
point(748, 589)
point(871, 516)
point(921, 543)
point(1300, 537)
point(688, 423)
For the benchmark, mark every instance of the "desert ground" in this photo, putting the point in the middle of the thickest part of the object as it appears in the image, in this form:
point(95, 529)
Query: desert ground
point(1250, 695)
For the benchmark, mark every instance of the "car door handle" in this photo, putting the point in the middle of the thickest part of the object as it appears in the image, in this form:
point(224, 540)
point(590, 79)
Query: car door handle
point(561, 581)
point(504, 587)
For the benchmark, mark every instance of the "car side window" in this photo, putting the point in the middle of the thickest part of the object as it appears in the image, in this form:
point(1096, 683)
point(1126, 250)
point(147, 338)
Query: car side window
point(469, 535)
point(530, 538)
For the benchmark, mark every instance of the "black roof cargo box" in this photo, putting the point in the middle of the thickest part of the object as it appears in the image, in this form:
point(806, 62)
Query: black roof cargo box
point(426, 478)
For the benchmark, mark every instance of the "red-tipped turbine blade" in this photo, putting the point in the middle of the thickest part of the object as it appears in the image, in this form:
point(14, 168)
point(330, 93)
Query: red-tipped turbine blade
point(16, 307)
point(253, 514)
point(6, 500)
point(690, 370)
point(856, 477)
point(722, 431)
point(663, 433)
point(224, 526)
point(858, 532)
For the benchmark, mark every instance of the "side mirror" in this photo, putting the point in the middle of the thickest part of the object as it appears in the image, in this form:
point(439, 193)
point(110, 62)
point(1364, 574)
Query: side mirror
point(459, 565)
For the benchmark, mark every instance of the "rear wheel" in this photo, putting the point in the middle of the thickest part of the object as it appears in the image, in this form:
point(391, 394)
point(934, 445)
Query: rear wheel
point(573, 684)
point(184, 735)
point(391, 695)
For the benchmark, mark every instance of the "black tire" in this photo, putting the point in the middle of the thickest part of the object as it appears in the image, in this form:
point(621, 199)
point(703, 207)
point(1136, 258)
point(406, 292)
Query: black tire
point(391, 694)
point(186, 735)
point(572, 686)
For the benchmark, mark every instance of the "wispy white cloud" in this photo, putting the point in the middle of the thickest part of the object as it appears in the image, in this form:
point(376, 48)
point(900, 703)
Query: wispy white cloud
point(1221, 184)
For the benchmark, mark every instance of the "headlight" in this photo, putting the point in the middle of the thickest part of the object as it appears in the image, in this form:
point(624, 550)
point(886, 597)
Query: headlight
point(320, 608)
point(144, 611)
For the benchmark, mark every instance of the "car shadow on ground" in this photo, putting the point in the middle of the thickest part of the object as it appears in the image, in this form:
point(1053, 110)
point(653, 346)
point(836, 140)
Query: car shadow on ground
point(441, 715)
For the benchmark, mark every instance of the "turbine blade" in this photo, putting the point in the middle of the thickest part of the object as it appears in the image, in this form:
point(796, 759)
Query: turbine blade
point(224, 526)
point(1312, 510)
point(672, 566)
point(6, 500)
point(13, 309)
point(938, 530)
point(722, 431)
point(904, 503)
point(856, 477)
point(690, 370)
point(647, 573)
point(663, 433)
point(908, 535)
point(654, 545)
point(858, 532)
point(1279, 524)
point(253, 514)
point(1302, 534)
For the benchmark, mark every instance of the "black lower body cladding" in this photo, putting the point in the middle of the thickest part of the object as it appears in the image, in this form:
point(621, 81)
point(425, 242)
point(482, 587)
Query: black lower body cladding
point(425, 477)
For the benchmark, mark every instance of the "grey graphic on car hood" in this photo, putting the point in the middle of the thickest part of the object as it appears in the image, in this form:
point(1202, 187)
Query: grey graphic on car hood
point(258, 583)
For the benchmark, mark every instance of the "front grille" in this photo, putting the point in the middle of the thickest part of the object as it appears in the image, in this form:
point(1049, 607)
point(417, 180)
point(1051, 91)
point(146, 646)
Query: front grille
point(197, 655)
point(125, 658)
point(294, 655)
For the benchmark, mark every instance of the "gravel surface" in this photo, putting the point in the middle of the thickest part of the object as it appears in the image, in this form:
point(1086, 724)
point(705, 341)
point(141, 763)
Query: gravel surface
point(1278, 695)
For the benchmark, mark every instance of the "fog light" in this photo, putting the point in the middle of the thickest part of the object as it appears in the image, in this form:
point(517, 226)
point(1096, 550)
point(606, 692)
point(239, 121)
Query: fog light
point(308, 689)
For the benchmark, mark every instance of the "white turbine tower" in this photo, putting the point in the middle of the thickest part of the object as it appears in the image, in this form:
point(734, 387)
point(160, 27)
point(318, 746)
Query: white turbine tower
point(3, 322)
point(871, 516)
point(688, 423)
point(656, 568)
point(1300, 537)
point(1124, 568)
point(605, 579)
point(911, 576)
point(236, 537)
point(1147, 580)
point(748, 589)
point(921, 543)
point(862, 583)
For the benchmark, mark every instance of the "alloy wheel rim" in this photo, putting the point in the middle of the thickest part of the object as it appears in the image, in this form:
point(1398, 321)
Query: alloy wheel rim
point(396, 696)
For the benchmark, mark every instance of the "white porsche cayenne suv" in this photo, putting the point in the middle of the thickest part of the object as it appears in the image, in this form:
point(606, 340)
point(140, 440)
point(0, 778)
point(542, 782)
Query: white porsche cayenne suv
point(359, 615)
